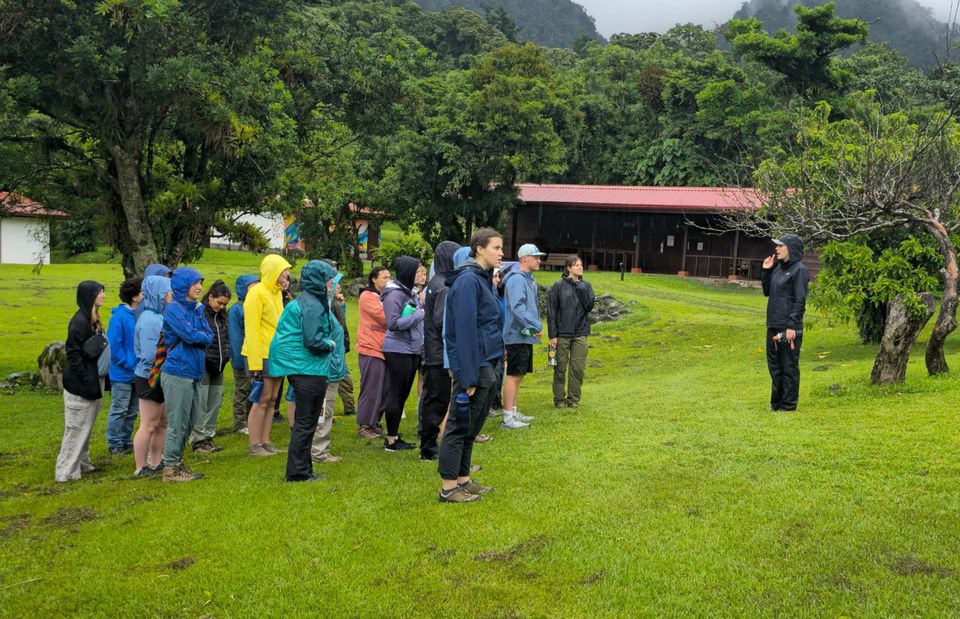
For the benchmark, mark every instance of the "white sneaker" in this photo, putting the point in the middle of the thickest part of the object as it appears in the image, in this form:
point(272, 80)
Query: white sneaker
point(244, 430)
point(524, 418)
point(511, 422)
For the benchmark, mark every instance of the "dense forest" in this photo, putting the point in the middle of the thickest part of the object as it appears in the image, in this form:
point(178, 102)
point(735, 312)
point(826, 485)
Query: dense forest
point(553, 23)
point(904, 24)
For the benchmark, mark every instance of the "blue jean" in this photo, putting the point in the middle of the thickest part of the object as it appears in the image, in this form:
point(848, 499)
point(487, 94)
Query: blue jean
point(124, 408)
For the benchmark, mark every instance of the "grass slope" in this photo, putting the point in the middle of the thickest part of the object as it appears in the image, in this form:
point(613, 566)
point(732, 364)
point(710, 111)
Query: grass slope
point(672, 491)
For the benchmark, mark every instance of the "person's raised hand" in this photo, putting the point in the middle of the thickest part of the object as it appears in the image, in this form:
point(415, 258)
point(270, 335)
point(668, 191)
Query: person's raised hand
point(768, 261)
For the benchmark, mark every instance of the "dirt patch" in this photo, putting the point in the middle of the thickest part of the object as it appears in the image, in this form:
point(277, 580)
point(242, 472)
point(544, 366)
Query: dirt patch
point(693, 512)
point(15, 524)
point(835, 388)
point(668, 443)
point(594, 578)
point(146, 498)
point(51, 490)
point(67, 516)
point(609, 338)
point(821, 368)
point(442, 555)
point(180, 564)
point(909, 565)
point(513, 553)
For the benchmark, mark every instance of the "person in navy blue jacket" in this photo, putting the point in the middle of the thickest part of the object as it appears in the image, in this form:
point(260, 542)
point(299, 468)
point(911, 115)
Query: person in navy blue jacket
point(124, 403)
point(473, 335)
point(187, 334)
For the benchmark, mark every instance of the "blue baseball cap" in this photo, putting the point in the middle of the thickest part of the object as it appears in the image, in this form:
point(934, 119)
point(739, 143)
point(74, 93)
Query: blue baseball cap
point(529, 250)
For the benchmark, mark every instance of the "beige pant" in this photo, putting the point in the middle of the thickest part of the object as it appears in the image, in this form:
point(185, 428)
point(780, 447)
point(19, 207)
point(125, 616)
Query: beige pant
point(321, 438)
point(79, 416)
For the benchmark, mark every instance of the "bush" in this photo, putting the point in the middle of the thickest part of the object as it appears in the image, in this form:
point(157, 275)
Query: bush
point(406, 245)
point(73, 236)
point(245, 234)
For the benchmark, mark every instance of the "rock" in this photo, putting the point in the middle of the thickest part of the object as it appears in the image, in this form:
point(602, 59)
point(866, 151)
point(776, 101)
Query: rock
point(25, 379)
point(52, 361)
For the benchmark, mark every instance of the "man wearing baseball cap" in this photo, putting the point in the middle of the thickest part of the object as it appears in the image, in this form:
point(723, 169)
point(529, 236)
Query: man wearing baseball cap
point(785, 280)
point(522, 329)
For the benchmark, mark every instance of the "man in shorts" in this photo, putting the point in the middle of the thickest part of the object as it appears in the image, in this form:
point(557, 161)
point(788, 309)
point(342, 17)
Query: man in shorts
point(522, 329)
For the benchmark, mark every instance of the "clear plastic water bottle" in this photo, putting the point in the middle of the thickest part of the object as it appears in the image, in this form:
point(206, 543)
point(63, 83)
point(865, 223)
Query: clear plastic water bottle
point(552, 356)
point(463, 406)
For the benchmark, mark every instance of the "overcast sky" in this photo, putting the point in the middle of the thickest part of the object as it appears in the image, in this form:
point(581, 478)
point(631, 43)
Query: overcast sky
point(658, 15)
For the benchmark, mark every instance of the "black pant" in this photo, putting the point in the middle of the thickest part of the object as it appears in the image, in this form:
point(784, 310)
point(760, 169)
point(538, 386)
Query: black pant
point(456, 449)
point(401, 372)
point(784, 365)
point(433, 407)
point(310, 392)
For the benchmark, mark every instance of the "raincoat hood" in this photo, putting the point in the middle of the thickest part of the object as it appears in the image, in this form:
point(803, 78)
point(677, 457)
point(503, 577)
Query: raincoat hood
point(243, 282)
point(157, 269)
point(443, 257)
point(154, 288)
point(270, 270)
point(460, 256)
point(183, 278)
point(87, 292)
point(405, 268)
point(315, 275)
point(795, 245)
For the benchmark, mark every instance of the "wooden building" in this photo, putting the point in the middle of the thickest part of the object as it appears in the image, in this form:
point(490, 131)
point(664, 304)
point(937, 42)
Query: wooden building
point(648, 229)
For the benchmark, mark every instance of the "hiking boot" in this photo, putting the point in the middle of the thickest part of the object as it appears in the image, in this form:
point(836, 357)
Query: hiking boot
point(259, 451)
point(120, 451)
point(560, 405)
point(482, 438)
point(398, 445)
point(206, 446)
point(368, 433)
point(429, 457)
point(279, 419)
point(474, 488)
point(511, 422)
point(327, 458)
point(573, 405)
point(180, 473)
point(313, 477)
point(349, 413)
point(458, 495)
point(273, 450)
point(379, 429)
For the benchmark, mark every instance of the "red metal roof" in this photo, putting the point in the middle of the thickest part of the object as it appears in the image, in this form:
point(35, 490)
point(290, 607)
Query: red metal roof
point(15, 205)
point(656, 199)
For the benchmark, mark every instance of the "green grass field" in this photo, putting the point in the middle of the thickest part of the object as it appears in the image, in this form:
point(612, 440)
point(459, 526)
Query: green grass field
point(671, 491)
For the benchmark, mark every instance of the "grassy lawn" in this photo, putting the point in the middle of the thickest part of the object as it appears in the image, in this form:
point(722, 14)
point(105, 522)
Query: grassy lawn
point(671, 491)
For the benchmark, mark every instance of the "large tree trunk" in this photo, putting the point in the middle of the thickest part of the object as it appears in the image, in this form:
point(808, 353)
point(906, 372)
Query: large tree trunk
point(947, 319)
point(899, 334)
point(142, 249)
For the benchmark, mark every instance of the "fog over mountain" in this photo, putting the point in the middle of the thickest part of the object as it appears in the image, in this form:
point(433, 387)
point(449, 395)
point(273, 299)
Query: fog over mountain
point(614, 16)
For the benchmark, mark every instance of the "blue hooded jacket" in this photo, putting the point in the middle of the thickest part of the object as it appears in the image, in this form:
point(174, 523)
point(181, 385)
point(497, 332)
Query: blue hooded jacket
point(150, 323)
point(522, 312)
point(473, 329)
point(185, 328)
point(235, 328)
point(123, 358)
point(161, 270)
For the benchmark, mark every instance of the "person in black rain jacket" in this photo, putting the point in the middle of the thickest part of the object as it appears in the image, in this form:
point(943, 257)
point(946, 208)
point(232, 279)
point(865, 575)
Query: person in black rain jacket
point(785, 280)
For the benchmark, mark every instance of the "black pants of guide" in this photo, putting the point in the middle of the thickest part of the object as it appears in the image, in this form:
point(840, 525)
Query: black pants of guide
point(433, 407)
point(310, 392)
point(784, 365)
point(456, 448)
point(401, 374)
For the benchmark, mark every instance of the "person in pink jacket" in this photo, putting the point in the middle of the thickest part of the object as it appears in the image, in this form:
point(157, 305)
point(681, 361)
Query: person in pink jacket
point(373, 368)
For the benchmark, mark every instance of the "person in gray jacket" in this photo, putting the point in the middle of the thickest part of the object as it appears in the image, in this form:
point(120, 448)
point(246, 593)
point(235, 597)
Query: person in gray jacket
point(569, 304)
point(403, 310)
point(522, 328)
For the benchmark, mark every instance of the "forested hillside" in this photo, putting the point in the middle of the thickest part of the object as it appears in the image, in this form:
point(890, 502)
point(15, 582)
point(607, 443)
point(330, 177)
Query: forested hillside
point(554, 23)
point(905, 25)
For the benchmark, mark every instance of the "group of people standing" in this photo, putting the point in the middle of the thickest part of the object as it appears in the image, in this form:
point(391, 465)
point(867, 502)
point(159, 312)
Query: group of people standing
point(168, 345)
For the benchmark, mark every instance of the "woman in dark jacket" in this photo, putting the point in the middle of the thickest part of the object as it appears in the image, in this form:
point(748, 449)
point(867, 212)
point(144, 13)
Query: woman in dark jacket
point(569, 303)
point(82, 385)
point(217, 356)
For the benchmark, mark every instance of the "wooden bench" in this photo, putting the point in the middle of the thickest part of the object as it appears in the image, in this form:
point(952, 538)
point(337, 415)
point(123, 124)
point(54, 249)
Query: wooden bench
point(553, 262)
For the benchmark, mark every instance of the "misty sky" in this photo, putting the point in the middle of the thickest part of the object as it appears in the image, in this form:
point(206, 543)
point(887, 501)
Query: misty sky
point(659, 15)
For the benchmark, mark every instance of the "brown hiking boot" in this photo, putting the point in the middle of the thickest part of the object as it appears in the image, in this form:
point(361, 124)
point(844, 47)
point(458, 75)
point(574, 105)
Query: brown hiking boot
point(368, 433)
point(273, 450)
point(259, 451)
point(483, 438)
point(474, 488)
point(180, 473)
point(327, 458)
point(458, 495)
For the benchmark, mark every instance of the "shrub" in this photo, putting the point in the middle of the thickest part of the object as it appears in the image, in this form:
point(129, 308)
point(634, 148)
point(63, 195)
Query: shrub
point(406, 245)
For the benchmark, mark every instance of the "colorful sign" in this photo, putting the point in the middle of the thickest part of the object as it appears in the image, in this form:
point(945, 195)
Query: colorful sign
point(292, 237)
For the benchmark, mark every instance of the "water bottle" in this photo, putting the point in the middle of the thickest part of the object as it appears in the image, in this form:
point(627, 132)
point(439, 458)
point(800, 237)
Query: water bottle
point(463, 406)
point(552, 356)
point(256, 388)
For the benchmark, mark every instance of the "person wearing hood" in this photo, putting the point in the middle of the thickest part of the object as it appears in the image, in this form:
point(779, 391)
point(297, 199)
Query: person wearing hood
point(373, 369)
point(403, 311)
point(235, 335)
point(214, 304)
point(160, 270)
point(473, 335)
point(785, 280)
point(436, 392)
point(337, 371)
point(300, 350)
point(569, 304)
point(150, 437)
point(82, 385)
point(261, 312)
point(186, 334)
point(124, 404)
point(521, 330)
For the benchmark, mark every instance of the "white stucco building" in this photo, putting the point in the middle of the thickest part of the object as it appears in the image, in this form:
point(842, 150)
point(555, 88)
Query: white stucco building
point(24, 230)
